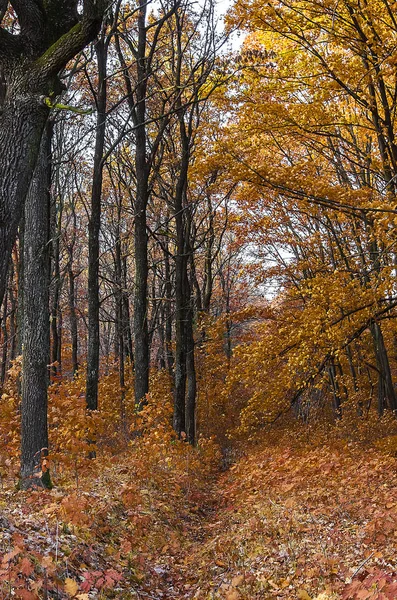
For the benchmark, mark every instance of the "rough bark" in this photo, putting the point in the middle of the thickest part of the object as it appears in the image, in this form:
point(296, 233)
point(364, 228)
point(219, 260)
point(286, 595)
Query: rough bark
point(93, 233)
point(141, 335)
point(36, 346)
point(50, 35)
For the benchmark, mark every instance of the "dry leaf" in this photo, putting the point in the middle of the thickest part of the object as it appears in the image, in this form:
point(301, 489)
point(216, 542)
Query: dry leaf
point(71, 586)
point(303, 595)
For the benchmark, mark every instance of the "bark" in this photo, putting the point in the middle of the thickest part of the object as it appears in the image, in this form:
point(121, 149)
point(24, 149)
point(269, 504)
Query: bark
point(180, 312)
point(336, 397)
point(386, 392)
point(36, 346)
point(57, 284)
point(208, 274)
point(20, 270)
point(168, 313)
point(93, 234)
point(126, 316)
point(4, 339)
point(190, 416)
point(13, 314)
point(73, 320)
point(50, 35)
point(141, 335)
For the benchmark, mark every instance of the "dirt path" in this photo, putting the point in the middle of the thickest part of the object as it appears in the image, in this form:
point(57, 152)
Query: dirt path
point(290, 524)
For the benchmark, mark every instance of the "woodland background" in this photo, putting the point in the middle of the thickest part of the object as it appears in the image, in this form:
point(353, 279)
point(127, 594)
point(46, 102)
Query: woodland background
point(198, 327)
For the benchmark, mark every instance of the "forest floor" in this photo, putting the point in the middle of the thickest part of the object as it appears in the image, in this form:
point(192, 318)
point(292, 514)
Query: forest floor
point(281, 522)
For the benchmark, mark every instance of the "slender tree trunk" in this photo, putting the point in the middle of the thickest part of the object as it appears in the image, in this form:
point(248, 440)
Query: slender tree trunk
point(56, 220)
point(180, 319)
point(141, 336)
point(13, 314)
point(93, 234)
point(129, 353)
point(190, 417)
point(73, 320)
point(36, 345)
point(336, 397)
point(386, 393)
point(168, 314)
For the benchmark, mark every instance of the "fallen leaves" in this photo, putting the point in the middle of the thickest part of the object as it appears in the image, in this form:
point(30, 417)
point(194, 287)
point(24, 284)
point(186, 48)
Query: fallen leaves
point(278, 525)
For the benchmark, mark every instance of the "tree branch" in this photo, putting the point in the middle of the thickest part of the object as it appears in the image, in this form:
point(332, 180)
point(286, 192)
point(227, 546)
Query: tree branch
point(31, 19)
point(68, 45)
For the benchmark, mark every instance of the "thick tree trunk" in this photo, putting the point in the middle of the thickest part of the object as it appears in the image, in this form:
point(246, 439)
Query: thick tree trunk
point(21, 128)
point(49, 35)
point(36, 346)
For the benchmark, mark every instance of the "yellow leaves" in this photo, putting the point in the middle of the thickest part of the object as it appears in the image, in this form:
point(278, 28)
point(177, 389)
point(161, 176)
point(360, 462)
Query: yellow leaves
point(71, 587)
point(303, 595)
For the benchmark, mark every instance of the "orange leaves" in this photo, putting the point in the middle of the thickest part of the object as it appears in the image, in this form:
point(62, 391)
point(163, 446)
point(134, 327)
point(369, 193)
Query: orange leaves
point(372, 585)
point(26, 567)
point(100, 579)
point(74, 509)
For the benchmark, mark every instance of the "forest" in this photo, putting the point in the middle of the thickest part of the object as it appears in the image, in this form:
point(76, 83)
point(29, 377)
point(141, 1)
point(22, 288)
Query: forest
point(198, 299)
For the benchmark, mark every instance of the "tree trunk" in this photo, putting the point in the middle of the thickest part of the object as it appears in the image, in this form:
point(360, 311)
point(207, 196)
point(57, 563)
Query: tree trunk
point(141, 336)
point(180, 319)
point(48, 36)
point(56, 220)
point(73, 320)
point(21, 128)
point(190, 417)
point(4, 339)
point(168, 313)
point(93, 234)
point(386, 392)
point(36, 345)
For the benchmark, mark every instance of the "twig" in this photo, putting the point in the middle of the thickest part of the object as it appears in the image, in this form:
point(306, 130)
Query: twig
point(362, 564)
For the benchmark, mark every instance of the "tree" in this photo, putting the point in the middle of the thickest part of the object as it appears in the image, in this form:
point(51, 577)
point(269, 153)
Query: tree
point(49, 36)
point(36, 330)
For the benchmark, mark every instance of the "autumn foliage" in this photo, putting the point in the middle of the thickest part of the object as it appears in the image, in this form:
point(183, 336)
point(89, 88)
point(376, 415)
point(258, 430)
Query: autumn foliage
point(262, 461)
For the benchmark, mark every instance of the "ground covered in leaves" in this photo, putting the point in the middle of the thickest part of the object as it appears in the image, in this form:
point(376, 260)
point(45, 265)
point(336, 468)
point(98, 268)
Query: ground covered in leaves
point(164, 521)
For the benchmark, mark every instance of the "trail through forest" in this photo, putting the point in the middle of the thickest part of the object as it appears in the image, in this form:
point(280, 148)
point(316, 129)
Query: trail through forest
point(287, 524)
point(308, 523)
